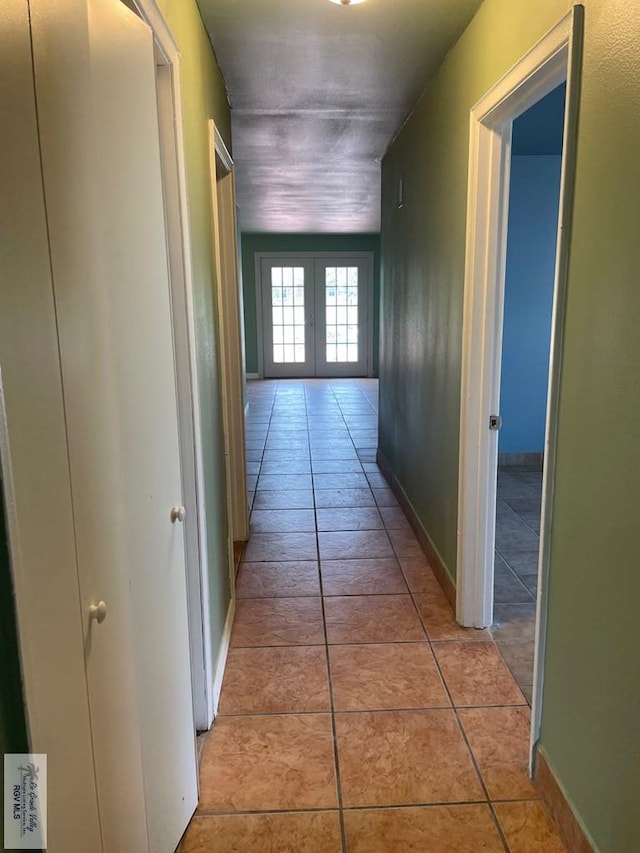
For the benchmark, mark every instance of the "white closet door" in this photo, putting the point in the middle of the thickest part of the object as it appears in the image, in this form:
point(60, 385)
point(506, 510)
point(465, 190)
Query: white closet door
point(95, 82)
point(35, 463)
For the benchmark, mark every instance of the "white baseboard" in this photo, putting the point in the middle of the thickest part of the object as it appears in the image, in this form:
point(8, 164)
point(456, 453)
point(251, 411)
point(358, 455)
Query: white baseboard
point(253, 375)
point(221, 661)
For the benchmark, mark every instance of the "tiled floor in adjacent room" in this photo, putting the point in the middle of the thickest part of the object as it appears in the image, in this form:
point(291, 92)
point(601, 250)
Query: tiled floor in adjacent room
point(516, 569)
point(355, 714)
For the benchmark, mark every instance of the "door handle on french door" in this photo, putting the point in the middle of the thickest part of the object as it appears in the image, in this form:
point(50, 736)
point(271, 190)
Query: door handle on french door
point(178, 513)
point(98, 612)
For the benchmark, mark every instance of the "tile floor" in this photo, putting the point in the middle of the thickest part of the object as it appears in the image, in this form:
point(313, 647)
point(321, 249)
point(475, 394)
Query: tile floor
point(355, 714)
point(516, 569)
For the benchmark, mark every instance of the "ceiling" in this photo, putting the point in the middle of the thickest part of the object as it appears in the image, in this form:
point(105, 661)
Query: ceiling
point(317, 92)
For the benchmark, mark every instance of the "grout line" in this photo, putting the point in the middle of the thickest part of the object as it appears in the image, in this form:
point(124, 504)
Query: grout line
point(325, 712)
point(336, 760)
point(213, 813)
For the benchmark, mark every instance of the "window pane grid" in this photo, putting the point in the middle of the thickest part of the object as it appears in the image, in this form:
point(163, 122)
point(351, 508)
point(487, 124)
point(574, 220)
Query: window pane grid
point(287, 315)
point(341, 314)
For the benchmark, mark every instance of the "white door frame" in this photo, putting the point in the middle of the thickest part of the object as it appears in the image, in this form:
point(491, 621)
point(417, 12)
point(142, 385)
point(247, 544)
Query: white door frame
point(170, 116)
point(230, 336)
point(311, 256)
point(554, 59)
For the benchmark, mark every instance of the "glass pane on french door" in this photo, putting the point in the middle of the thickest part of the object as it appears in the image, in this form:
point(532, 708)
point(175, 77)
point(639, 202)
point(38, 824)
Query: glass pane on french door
point(287, 312)
point(342, 308)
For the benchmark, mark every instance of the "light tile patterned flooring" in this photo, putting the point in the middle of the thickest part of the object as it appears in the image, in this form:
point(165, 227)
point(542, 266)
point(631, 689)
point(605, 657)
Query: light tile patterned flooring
point(355, 715)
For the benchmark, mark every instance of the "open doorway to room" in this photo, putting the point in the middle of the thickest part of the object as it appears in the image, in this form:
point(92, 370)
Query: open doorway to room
point(231, 340)
point(554, 62)
point(174, 191)
point(532, 231)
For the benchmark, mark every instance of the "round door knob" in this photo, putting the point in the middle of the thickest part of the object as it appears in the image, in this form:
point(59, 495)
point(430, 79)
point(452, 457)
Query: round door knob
point(98, 612)
point(178, 513)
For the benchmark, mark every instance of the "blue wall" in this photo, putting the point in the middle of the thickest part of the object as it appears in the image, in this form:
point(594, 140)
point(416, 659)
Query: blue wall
point(531, 247)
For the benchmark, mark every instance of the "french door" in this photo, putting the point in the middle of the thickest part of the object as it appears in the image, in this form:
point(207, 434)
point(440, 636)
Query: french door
point(316, 314)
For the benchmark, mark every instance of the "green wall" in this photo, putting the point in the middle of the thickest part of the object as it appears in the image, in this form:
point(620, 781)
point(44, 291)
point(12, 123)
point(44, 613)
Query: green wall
point(204, 97)
point(591, 704)
point(591, 713)
point(252, 243)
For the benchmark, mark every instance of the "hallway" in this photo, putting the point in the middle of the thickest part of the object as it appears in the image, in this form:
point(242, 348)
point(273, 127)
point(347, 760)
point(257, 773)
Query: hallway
point(355, 714)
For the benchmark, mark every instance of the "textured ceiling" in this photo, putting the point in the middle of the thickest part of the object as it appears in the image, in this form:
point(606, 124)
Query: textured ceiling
point(318, 91)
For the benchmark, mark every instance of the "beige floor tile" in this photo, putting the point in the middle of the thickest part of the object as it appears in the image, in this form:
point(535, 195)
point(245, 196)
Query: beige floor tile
point(439, 620)
point(372, 619)
point(499, 740)
point(405, 543)
point(362, 577)
point(476, 674)
point(288, 832)
point(527, 828)
point(394, 518)
point(430, 829)
point(282, 521)
point(354, 518)
point(332, 498)
point(281, 482)
point(419, 574)
point(287, 499)
point(270, 762)
point(385, 676)
point(385, 497)
point(291, 679)
point(294, 461)
point(354, 545)
point(271, 547)
point(404, 757)
point(278, 622)
point(273, 580)
point(341, 480)
point(336, 466)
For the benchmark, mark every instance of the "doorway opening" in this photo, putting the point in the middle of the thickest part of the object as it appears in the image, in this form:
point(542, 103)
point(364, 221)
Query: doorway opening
point(552, 62)
point(231, 341)
point(315, 314)
point(532, 231)
point(169, 106)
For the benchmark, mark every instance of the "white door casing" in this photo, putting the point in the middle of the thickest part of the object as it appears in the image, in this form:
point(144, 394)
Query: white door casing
point(230, 335)
point(554, 59)
point(168, 83)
